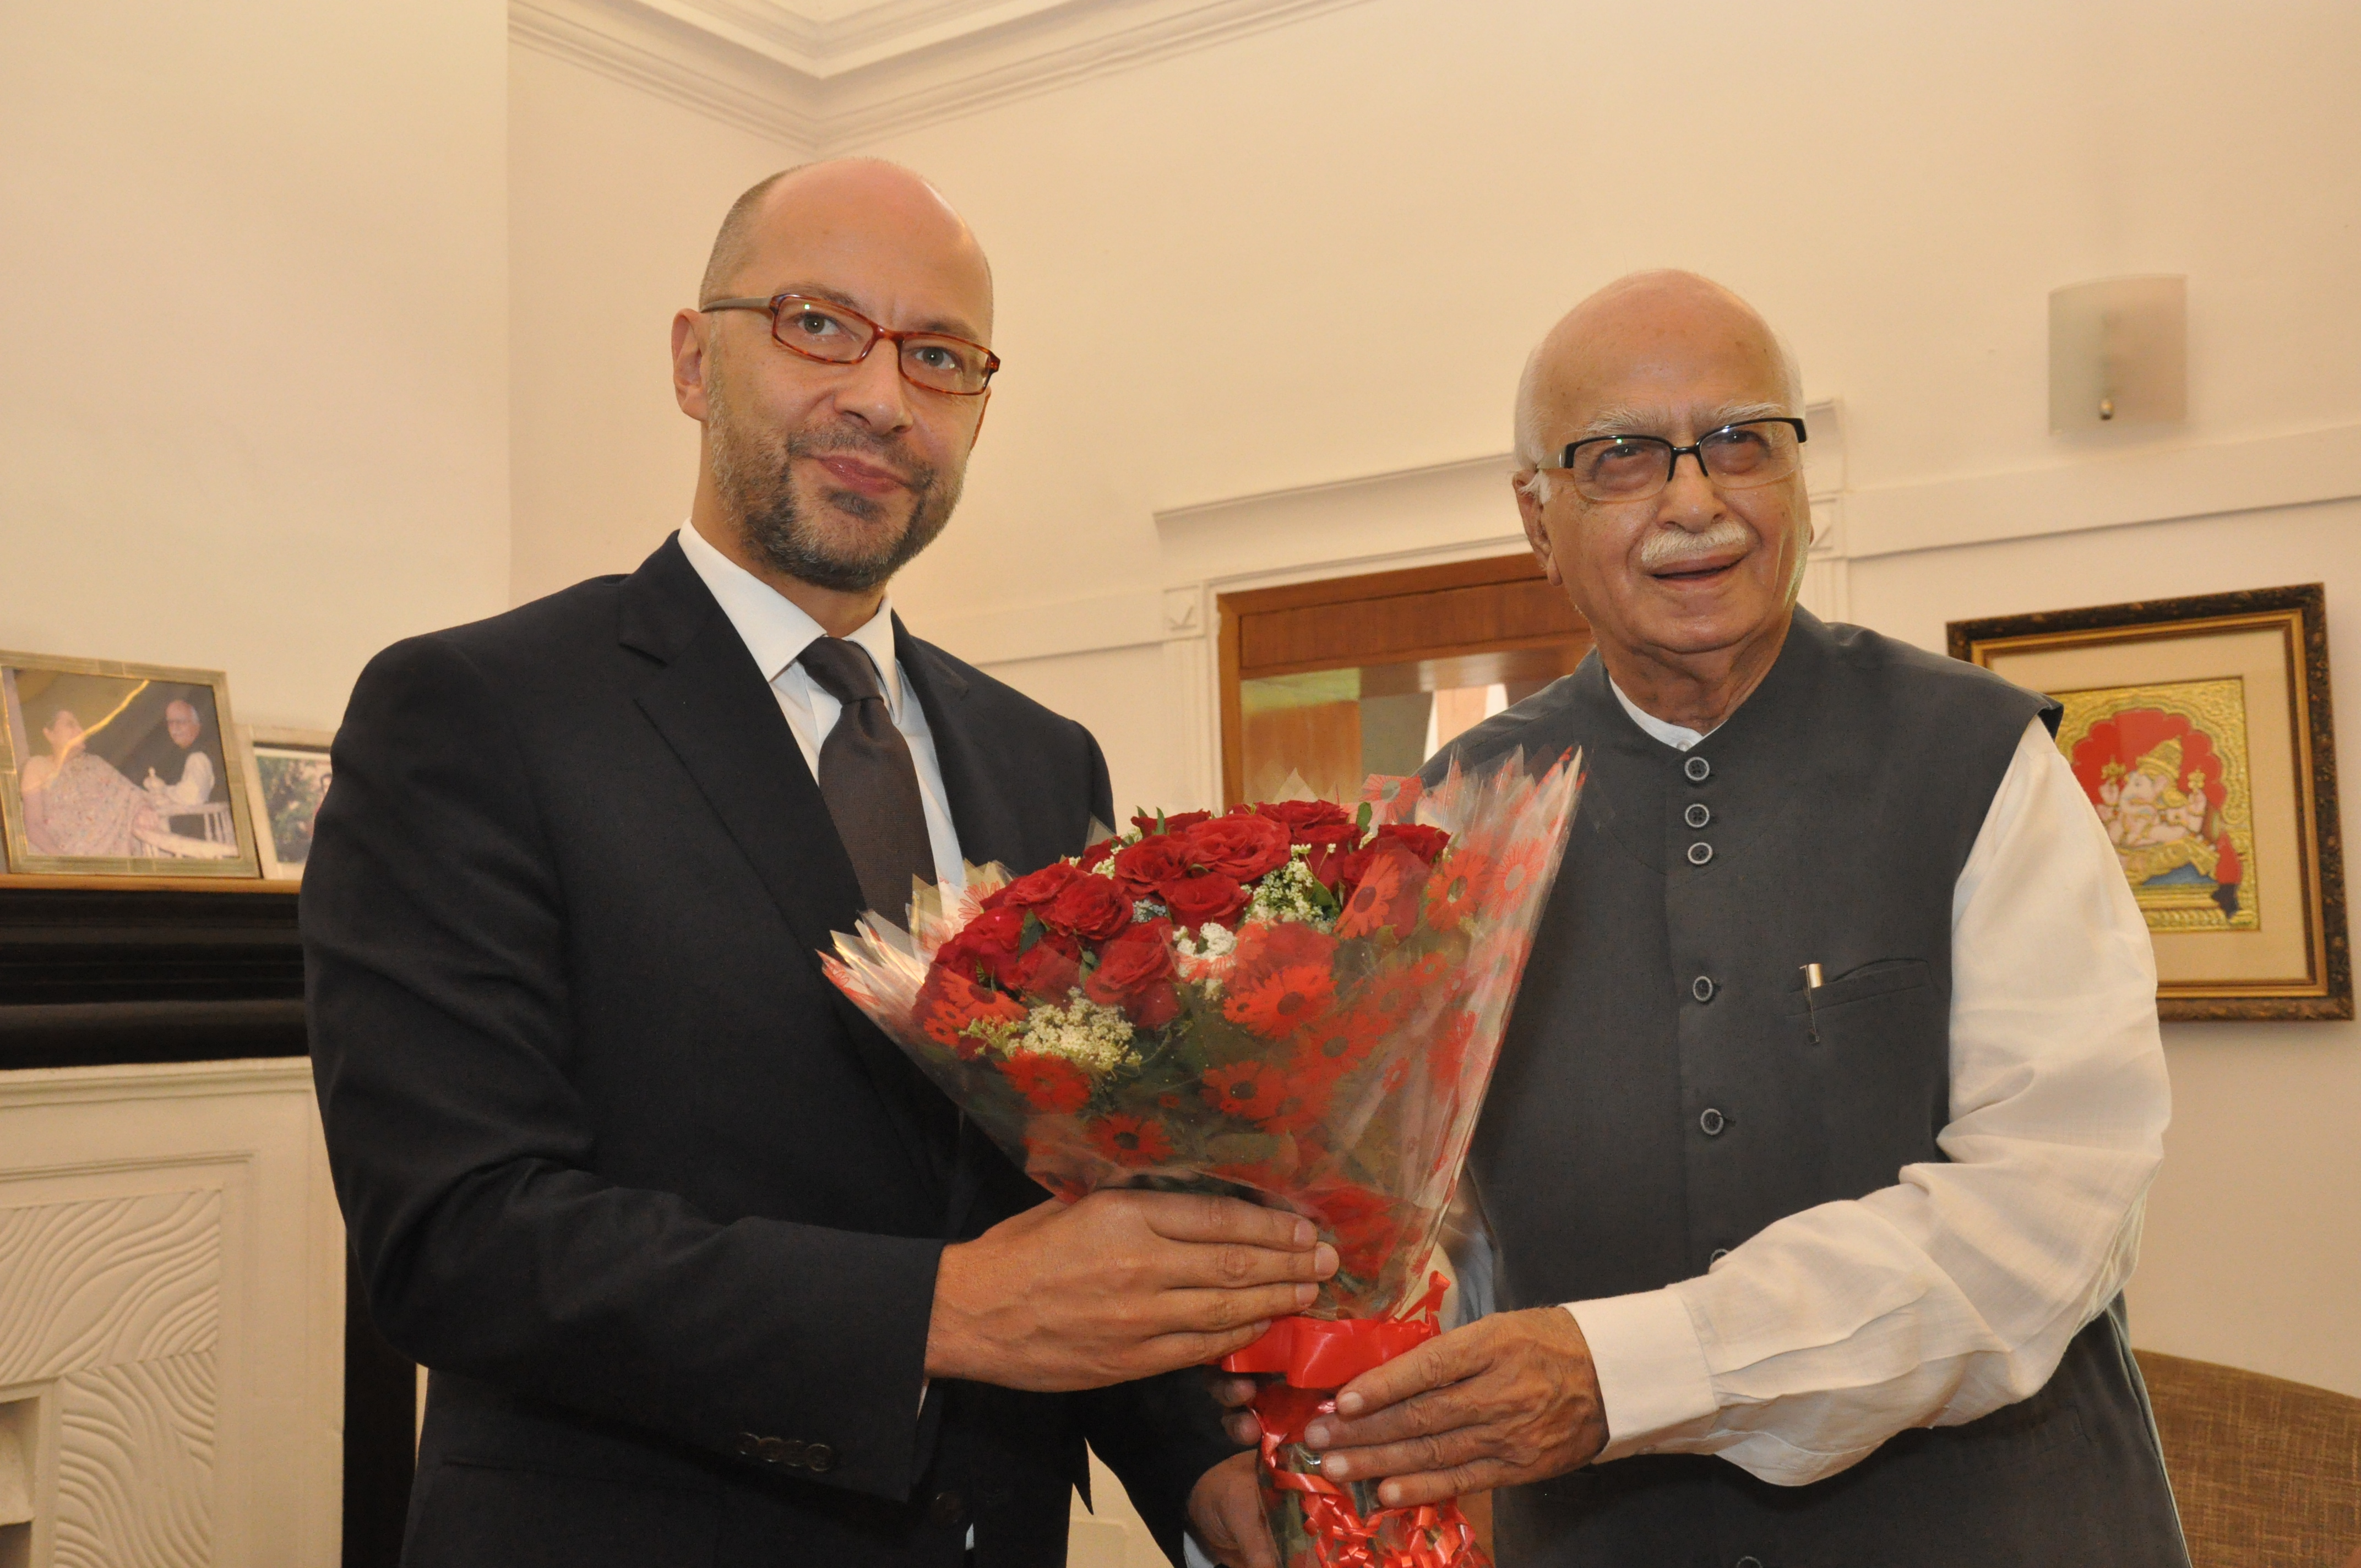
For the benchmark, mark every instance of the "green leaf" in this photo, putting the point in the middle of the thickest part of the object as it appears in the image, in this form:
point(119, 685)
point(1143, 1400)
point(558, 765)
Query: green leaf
point(1361, 817)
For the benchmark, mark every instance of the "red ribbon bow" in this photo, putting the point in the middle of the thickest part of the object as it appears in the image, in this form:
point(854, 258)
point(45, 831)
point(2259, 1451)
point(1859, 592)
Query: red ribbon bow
point(1315, 1357)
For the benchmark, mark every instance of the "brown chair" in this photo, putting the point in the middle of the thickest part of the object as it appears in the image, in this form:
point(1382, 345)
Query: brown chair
point(2266, 1473)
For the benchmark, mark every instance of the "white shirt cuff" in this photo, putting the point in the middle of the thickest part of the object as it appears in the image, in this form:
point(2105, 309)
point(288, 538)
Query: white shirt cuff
point(1653, 1379)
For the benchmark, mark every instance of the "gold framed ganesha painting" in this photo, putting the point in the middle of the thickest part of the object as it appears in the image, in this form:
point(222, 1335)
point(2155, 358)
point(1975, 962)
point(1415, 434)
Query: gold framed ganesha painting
point(2200, 730)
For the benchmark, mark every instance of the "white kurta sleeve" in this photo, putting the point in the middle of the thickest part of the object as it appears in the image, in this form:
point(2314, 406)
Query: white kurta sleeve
point(1954, 1291)
point(196, 785)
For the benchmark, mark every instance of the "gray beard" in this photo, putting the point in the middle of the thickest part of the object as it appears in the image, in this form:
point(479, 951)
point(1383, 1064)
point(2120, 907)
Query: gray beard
point(756, 482)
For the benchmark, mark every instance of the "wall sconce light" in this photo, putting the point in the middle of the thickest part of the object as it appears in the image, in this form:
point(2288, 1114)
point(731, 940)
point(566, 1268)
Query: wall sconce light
point(2118, 353)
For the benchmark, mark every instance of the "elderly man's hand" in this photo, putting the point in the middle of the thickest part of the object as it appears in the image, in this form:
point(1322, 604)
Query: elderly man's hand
point(1226, 1514)
point(1508, 1399)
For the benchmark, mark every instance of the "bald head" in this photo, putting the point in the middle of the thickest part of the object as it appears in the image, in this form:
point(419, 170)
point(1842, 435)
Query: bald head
point(1647, 316)
point(817, 198)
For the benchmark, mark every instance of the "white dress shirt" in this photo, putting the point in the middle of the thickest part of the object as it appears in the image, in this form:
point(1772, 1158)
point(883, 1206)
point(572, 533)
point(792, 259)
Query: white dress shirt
point(1954, 1291)
point(196, 785)
point(776, 631)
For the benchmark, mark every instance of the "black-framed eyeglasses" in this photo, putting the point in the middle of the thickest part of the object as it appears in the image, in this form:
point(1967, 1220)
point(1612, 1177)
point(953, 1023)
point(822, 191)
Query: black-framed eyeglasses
point(1737, 456)
point(835, 335)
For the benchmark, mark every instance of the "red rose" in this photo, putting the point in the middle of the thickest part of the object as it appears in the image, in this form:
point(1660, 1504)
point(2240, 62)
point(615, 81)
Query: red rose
point(1424, 842)
point(1338, 867)
point(987, 941)
point(1049, 969)
point(1135, 973)
point(1303, 818)
point(1241, 848)
point(1091, 907)
point(1211, 899)
point(1098, 854)
point(1149, 864)
point(1177, 822)
point(1032, 892)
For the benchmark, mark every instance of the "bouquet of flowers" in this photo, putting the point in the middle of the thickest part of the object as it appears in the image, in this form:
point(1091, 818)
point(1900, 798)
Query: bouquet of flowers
point(1292, 1002)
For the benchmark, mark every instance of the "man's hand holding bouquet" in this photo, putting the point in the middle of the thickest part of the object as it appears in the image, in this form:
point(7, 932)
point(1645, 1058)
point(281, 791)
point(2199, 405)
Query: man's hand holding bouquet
point(1291, 1002)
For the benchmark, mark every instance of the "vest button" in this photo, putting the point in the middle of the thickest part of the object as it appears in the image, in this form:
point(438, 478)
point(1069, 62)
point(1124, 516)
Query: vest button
point(1716, 1256)
point(1702, 988)
point(1697, 769)
point(1698, 814)
point(1748, 1563)
point(1712, 1121)
point(1699, 853)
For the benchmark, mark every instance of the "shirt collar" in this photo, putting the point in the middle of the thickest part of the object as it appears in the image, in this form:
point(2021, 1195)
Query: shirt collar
point(774, 627)
point(1677, 737)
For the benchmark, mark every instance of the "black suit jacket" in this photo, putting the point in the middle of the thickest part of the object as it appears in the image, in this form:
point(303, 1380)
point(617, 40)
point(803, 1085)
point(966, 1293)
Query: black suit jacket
point(658, 1206)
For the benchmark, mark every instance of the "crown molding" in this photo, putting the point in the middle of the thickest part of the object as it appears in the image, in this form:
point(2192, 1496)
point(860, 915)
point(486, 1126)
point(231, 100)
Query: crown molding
point(835, 86)
point(639, 47)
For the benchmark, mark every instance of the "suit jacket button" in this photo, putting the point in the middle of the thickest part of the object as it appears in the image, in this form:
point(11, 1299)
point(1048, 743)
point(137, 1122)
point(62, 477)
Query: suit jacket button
point(773, 1450)
point(796, 1452)
point(819, 1459)
point(749, 1445)
point(949, 1508)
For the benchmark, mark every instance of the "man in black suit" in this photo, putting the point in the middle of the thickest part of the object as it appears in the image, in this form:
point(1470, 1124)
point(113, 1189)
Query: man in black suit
point(707, 1273)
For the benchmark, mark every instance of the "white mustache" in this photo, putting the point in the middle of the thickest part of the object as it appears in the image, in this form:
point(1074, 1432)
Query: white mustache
point(1672, 546)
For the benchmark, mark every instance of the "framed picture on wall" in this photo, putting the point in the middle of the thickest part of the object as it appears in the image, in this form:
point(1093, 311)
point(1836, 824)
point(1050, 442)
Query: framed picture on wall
point(2201, 730)
point(286, 781)
point(109, 769)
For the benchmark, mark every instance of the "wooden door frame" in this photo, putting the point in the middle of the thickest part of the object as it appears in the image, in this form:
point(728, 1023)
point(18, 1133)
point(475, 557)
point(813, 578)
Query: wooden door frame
point(1231, 607)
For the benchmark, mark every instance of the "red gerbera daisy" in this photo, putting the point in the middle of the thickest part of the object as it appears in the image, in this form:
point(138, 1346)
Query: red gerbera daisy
point(1338, 1042)
point(1251, 1089)
point(1457, 889)
point(1048, 1083)
point(1278, 1003)
point(1131, 1140)
point(951, 1001)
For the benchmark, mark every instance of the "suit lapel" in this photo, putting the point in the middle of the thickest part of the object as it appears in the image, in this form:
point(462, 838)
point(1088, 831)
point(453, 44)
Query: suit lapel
point(982, 813)
point(712, 707)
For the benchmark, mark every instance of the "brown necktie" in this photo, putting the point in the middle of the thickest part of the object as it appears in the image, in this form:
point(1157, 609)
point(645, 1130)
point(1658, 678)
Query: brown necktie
point(869, 781)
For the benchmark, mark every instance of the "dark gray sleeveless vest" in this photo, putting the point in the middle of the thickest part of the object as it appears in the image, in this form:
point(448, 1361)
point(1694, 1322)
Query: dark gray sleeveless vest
point(1662, 1096)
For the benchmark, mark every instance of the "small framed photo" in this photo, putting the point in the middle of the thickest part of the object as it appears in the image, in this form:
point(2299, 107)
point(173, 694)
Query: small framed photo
point(286, 780)
point(119, 770)
point(2201, 730)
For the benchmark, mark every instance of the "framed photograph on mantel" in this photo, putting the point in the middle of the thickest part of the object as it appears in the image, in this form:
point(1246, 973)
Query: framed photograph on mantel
point(287, 780)
point(119, 770)
point(2199, 729)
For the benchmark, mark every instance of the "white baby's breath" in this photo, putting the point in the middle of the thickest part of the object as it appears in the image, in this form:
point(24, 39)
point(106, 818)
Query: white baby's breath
point(1096, 1039)
point(1292, 893)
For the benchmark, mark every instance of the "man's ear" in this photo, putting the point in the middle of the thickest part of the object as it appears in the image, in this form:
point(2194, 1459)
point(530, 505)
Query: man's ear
point(688, 329)
point(1529, 510)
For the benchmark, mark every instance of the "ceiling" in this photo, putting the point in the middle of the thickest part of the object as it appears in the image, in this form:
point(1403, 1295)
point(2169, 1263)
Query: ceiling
point(825, 76)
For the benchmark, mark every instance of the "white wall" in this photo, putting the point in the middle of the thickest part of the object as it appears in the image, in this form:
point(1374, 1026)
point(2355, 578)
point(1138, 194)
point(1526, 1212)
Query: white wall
point(614, 197)
point(253, 392)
